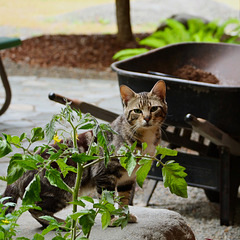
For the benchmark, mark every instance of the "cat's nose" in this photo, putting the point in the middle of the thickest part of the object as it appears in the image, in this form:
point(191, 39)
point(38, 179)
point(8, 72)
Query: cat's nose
point(147, 118)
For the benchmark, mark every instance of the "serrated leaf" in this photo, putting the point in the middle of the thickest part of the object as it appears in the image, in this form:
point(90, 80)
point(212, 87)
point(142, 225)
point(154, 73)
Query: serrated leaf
point(83, 158)
point(143, 171)
point(173, 178)
point(54, 177)
point(65, 168)
point(50, 129)
point(5, 148)
point(128, 162)
point(15, 171)
point(37, 134)
point(87, 221)
point(165, 152)
point(28, 162)
point(32, 192)
point(108, 196)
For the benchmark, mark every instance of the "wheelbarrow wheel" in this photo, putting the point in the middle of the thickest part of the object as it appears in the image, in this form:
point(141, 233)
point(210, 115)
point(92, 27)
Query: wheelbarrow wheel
point(212, 196)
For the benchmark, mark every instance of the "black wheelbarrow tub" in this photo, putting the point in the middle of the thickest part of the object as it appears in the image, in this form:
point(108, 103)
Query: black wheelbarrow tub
point(219, 104)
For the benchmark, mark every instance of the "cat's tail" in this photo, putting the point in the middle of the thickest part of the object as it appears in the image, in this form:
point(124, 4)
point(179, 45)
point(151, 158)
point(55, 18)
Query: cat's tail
point(12, 193)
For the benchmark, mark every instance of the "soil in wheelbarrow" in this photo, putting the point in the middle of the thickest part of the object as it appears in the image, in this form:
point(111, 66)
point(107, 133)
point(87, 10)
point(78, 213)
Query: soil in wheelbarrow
point(192, 73)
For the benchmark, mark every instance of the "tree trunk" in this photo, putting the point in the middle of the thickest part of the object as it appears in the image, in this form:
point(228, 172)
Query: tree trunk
point(123, 21)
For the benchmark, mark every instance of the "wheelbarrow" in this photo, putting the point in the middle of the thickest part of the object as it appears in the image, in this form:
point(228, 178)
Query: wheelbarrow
point(216, 166)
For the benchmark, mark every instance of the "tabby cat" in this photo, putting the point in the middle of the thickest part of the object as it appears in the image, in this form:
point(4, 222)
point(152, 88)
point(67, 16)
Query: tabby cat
point(141, 121)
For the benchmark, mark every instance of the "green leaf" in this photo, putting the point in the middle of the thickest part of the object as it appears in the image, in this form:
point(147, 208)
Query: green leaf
point(54, 177)
point(23, 136)
point(152, 42)
point(87, 221)
point(3, 178)
point(103, 143)
point(127, 53)
point(108, 196)
point(87, 126)
point(86, 198)
point(5, 148)
point(2, 235)
point(28, 162)
point(50, 129)
point(133, 146)
point(83, 157)
point(60, 238)
point(143, 171)
point(144, 146)
point(37, 134)
point(65, 168)
point(78, 202)
point(173, 177)
point(121, 221)
point(15, 171)
point(38, 236)
point(128, 162)
point(165, 152)
point(105, 219)
point(54, 224)
point(32, 192)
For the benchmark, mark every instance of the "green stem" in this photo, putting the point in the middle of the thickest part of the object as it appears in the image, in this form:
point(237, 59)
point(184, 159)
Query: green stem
point(77, 185)
point(75, 196)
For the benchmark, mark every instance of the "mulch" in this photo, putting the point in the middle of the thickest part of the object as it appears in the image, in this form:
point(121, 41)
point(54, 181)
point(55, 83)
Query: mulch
point(86, 52)
point(78, 51)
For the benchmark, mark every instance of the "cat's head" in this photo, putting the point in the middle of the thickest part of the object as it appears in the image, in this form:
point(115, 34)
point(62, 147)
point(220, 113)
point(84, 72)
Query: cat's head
point(145, 109)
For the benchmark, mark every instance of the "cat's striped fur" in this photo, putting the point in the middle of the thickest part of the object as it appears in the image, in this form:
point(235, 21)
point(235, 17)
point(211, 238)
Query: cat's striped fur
point(143, 116)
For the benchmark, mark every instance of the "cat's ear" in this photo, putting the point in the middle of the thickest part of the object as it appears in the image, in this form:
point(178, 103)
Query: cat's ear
point(159, 89)
point(126, 94)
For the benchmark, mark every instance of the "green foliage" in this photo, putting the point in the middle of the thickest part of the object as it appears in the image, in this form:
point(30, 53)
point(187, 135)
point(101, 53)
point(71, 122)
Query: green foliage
point(176, 32)
point(8, 222)
point(66, 125)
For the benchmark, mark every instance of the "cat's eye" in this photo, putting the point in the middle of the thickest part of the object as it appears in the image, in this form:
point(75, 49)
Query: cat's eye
point(137, 111)
point(154, 109)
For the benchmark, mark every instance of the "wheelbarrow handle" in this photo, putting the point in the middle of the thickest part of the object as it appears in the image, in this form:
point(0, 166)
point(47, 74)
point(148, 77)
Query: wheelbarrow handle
point(214, 134)
point(85, 107)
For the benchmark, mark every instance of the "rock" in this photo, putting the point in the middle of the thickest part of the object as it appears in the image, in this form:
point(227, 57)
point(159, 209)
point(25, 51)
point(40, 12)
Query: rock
point(153, 224)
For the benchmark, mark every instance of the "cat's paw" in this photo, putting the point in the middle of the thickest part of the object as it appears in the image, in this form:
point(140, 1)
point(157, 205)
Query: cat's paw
point(132, 218)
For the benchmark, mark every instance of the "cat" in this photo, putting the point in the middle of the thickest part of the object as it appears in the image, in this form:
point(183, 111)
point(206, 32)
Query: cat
point(141, 121)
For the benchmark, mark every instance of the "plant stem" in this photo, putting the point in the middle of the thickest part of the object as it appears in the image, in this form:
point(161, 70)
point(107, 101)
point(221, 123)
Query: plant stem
point(75, 196)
